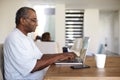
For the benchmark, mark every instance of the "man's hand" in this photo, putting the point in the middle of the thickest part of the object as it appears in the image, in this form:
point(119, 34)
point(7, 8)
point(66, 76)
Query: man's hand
point(67, 55)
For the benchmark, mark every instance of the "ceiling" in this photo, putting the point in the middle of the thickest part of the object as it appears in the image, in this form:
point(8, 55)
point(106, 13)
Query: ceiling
point(101, 4)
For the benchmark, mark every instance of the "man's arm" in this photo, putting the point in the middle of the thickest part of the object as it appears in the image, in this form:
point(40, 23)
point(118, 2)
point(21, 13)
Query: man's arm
point(48, 59)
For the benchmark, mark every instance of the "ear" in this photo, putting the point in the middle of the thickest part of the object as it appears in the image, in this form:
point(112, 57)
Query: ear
point(22, 21)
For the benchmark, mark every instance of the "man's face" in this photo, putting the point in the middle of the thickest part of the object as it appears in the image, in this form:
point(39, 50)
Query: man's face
point(30, 22)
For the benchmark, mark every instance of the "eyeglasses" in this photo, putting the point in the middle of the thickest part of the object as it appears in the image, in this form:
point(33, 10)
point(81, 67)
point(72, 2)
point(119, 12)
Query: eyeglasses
point(32, 19)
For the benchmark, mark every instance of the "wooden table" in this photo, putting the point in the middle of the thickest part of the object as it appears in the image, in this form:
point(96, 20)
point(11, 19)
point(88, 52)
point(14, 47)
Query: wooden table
point(110, 72)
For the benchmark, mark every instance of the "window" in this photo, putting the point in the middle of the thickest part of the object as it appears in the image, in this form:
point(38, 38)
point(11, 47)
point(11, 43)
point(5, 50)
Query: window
point(46, 20)
point(74, 25)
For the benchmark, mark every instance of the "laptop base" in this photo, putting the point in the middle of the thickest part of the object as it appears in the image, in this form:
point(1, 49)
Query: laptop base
point(75, 61)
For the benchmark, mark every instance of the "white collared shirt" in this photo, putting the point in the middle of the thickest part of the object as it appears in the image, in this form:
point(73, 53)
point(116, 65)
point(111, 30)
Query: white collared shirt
point(20, 57)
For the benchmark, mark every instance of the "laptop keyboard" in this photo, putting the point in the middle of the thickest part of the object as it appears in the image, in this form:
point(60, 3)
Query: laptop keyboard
point(70, 61)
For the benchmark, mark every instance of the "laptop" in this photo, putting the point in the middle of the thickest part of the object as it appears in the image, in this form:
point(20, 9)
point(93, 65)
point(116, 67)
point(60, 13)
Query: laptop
point(78, 60)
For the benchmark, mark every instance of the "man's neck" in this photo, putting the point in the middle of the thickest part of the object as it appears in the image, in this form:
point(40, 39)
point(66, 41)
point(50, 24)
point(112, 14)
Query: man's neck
point(22, 30)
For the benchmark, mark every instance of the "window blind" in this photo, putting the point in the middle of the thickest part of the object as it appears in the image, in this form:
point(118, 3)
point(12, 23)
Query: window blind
point(74, 19)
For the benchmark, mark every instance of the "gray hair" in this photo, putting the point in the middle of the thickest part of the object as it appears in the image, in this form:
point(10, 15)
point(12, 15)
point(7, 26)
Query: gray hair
point(22, 13)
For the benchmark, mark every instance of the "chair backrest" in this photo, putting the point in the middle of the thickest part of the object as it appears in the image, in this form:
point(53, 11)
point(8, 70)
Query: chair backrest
point(1, 76)
point(1, 62)
point(48, 47)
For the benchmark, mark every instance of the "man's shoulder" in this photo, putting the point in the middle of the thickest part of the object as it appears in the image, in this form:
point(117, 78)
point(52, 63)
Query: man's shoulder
point(13, 36)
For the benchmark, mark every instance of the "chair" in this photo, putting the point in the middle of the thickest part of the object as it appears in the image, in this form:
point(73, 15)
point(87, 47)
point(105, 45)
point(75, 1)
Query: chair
point(48, 47)
point(1, 62)
point(1, 76)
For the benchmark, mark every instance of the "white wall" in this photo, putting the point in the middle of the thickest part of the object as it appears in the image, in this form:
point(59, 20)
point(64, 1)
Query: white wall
point(60, 24)
point(8, 9)
point(91, 28)
point(109, 23)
